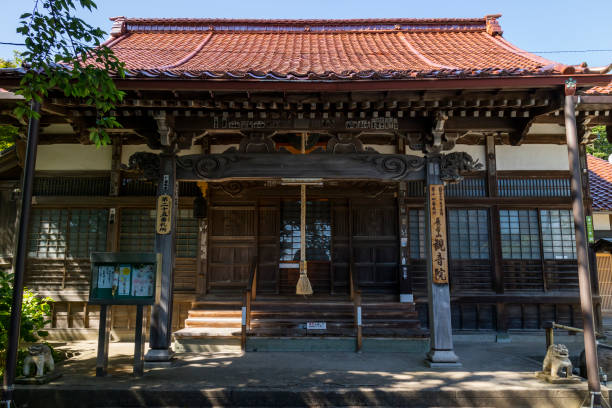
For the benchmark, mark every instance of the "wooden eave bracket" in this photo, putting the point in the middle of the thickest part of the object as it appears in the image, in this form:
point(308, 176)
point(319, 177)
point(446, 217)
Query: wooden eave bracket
point(524, 124)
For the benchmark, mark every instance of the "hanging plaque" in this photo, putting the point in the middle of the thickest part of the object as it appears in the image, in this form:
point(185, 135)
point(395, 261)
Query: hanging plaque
point(164, 214)
point(439, 253)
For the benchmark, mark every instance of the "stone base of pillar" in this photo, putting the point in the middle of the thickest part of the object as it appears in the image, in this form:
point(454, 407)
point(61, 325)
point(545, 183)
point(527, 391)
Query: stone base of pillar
point(406, 298)
point(442, 358)
point(159, 355)
point(503, 337)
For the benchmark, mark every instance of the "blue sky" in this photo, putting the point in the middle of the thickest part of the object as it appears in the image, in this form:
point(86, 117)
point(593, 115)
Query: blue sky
point(541, 26)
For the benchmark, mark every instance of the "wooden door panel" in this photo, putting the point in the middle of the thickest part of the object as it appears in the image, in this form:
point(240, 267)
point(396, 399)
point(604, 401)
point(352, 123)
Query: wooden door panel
point(268, 241)
point(375, 245)
point(340, 279)
point(232, 246)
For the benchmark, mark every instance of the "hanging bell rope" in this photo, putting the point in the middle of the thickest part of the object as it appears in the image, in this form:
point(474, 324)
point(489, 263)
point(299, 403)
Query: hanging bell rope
point(303, 285)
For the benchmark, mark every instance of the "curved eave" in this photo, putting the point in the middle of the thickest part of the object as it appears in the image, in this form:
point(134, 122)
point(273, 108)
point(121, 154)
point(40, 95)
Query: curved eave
point(10, 79)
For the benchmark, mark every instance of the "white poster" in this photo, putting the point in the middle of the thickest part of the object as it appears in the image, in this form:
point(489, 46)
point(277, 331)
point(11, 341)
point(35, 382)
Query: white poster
point(143, 279)
point(105, 276)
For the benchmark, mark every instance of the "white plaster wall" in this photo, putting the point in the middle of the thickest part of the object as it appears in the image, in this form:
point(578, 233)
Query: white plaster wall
point(601, 221)
point(128, 150)
point(384, 149)
point(414, 152)
point(546, 129)
point(532, 157)
point(73, 157)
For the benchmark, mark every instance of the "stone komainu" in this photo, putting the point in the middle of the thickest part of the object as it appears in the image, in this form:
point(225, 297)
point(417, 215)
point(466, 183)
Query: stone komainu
point(40, 355)
point(556, 361)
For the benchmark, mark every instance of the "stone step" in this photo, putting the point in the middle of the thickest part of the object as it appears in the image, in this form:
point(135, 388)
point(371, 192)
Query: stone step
point(206, 332)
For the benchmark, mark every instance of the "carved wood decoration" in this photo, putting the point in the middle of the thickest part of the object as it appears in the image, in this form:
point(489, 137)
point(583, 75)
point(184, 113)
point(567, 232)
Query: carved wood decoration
point(453, 165)
point(274, 166)
point(347, 143)
point(262, 166)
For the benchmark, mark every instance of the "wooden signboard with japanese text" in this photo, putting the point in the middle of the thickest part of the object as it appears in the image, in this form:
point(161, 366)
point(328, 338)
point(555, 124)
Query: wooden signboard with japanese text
point(439, 253)
point(164, 214)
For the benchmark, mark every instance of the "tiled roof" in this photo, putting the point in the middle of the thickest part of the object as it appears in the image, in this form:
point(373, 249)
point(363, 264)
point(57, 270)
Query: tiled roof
point(600, 180)
point(322, 49)
point(600, 90)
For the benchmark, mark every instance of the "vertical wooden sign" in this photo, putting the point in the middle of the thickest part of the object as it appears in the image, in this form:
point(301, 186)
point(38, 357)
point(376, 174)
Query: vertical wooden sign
point(164, 214)
point(439, 253)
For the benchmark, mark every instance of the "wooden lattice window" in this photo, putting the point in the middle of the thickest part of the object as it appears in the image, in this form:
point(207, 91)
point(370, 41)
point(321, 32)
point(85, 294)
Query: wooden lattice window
point(416, 222)
point(186, 234)
point(468, 233)
point(520, 237)
point(137, 230)
point(318, 231)
point(62, 233)
point(558, 236)
point(86, 232)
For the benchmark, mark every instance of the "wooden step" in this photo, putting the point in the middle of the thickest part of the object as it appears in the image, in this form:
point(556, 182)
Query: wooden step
point(228, 322)
point(214, 313)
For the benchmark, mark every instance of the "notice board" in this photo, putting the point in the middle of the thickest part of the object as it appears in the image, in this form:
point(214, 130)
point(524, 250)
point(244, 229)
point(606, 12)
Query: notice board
point(121, 278)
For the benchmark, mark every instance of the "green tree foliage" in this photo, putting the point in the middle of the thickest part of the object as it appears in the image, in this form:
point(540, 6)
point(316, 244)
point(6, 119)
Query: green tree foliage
point(8, 134)
point(601, 147)
point(64, 52)
point(34, 316)
point(14, 63)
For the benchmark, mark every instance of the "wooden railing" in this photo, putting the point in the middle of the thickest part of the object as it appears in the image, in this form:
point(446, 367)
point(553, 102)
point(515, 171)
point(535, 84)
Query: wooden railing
point(250, 294)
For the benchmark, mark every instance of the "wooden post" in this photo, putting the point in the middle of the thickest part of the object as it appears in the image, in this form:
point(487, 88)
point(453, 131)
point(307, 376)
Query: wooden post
point(160, 348)
point(358, 322)
point(550, 334)
point(244, 326)
point(103, 340)
point(584, 279)
point(441, 353)
point(495, 238)
point(27, 186)
point(248, 309)
point(139, 339)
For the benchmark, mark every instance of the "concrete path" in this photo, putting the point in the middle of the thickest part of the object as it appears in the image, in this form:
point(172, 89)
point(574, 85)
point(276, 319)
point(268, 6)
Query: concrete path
point(500, 375)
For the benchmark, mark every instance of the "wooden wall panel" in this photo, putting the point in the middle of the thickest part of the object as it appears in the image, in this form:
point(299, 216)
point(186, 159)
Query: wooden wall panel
point(268, 246)
point(8, 214)
point(604, 272)
point(185, 274)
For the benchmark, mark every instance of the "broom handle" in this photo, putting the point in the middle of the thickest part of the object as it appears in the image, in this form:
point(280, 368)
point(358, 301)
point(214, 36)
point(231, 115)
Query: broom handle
point(303, 217)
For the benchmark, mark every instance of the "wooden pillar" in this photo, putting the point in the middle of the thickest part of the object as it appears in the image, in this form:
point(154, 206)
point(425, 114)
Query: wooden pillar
point(406, 294)
point(115, 174)
point(584, 279)
point(160, 333)
point(495, 239)
point(441, 353)
point(588, 209)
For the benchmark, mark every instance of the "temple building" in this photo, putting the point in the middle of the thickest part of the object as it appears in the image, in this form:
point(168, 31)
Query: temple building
point(414, 168)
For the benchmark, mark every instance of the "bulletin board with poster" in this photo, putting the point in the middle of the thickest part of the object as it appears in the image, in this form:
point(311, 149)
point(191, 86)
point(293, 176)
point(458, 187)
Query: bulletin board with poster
point(123, 278)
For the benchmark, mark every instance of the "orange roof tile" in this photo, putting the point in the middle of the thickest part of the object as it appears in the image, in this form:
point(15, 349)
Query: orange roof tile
point(321, 49)
point(600, 181)
point(600, 90)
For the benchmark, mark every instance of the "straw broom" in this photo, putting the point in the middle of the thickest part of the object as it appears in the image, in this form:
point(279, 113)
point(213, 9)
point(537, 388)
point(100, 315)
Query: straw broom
point(303, 285)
